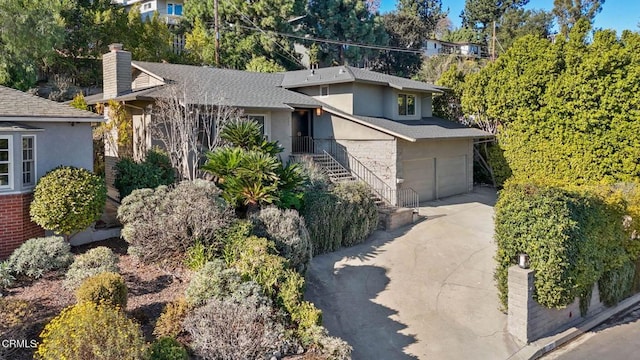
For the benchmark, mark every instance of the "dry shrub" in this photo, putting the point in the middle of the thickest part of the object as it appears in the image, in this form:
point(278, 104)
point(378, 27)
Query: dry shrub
point(162, 224)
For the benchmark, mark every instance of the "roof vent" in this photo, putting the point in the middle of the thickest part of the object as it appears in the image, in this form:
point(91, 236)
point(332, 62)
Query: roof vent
point(312, 72)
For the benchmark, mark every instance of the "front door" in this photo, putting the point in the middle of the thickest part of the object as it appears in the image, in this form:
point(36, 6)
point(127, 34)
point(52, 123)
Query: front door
point(301, 130)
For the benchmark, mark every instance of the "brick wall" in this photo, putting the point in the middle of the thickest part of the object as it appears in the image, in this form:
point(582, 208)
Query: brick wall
point(529, 321)
point(15, 222)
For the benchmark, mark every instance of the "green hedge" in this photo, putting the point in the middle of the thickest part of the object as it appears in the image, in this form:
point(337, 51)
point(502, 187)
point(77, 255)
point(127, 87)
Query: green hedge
point(154, 171)
point(573, 236)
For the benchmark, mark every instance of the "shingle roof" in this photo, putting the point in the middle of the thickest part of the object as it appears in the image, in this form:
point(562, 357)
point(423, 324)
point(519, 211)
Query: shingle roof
point(412, 130)
point(17, 105)
point(341, 74)
point(229, 87)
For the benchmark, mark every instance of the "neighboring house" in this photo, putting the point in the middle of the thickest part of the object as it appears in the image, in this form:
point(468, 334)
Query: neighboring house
point(378, 126)
point(36, 135)
point(170, 11)
point(434, 47)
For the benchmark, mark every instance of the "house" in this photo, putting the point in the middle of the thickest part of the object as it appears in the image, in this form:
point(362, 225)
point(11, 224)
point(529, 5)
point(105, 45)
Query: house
point(433, 47)
point(36, 135)
point(378, 127)
point(169, 11)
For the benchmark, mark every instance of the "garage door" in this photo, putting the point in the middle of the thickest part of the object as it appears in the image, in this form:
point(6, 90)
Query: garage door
point(419, 175)
point(452, 176)
point(447, 175)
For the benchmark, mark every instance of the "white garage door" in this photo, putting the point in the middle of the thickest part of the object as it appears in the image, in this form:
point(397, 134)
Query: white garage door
point(436, 178)
point(452, 176)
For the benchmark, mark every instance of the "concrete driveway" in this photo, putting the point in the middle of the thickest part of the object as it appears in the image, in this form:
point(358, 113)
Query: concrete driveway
point(421, 292)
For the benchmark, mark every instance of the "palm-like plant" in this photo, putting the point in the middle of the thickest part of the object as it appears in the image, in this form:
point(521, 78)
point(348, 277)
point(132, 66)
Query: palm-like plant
point(223, 163)
point(242, 133)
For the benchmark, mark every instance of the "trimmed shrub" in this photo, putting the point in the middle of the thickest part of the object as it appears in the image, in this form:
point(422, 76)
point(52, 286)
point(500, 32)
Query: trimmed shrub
point(93, 262)
point(343, 216)
point(67, 200)
point(40, 255)
point(170, 321)
point(214, 280)
point(572, 236)
point(91, 331)
point(162, 224)
point(359, 210)
point(230, 329)
point(167, 348)
point(154, 171)
point(287, 230)
point(106, 288)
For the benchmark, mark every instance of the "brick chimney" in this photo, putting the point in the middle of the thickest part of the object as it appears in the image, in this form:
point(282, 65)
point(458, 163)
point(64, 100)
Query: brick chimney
point(116, 72)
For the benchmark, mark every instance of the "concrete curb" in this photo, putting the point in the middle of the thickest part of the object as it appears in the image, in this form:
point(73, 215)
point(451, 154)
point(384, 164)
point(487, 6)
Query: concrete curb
point(543, 346)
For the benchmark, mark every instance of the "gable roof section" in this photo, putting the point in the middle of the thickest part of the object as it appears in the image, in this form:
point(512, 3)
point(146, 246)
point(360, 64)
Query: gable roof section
point(343, 74)
point(16, 105)
point(412, 130)
point(215, 86)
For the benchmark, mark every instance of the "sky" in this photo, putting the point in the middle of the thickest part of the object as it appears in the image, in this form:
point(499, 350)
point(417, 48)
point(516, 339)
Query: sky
point(616, 14)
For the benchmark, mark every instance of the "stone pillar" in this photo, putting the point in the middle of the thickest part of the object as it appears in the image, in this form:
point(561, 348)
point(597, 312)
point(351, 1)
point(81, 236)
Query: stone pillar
point(520, 298)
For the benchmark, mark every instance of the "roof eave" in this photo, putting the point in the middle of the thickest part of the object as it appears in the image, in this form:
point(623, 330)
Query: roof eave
point(51, 119)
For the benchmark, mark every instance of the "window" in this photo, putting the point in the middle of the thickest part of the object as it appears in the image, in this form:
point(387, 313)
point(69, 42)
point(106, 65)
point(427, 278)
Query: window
point(5, 161)
point(260, 120)
point(174, 9)
point(324, 90)
point(28, 160)
point(406, 104)
point(146, 6)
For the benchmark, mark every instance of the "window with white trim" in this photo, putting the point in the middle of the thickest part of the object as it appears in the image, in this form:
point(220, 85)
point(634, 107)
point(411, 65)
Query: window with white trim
point(174, 9)
point(5, 161)
point(28, 160)
point(146, 6)
point(406, 104)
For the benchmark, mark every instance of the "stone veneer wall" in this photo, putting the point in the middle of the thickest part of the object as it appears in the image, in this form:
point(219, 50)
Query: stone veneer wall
point(529, 321)
point(16, 226)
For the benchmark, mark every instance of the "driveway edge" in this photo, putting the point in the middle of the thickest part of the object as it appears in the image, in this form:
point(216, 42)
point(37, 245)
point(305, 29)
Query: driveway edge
point(543, 346)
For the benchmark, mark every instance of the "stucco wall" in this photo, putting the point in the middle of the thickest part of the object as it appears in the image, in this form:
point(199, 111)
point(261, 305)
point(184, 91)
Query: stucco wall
point(368, 99)
point(64, 144)
point(340, 95)
point(427, 105)
point(332, 126)
point(281, 130)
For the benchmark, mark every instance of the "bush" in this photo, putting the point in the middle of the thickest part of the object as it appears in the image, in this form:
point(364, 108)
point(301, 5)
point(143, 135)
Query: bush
point(572, 236)
point(6, 277)
point(162, 224)
point(154, 171)
point(40, 255)
point(287, 230)
point(167, 348)
point(93, 262)
point(214, 280)
point(91, 331)
point(229, 329)
point(325, 347)
point(106, 288)
point(256, 259)
point(170, 321)
point(616, 284)
point(198, 255)
point(67, 200)
point(345, 215)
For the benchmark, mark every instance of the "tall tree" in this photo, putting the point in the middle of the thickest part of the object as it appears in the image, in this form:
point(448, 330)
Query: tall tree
point(247, 29)
point(516, 23)
point(408, 28)
point(344, 21)
point(480, 14)
point(568, 12)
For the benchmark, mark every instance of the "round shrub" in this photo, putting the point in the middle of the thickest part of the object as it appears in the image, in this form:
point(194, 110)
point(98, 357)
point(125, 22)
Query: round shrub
point(170, 321)
point(167, 348)
point(40, 255)
point(229, 329)
point(93, 262)
point(213, 280)
point(162, 224)
point(106, 288)
point(67, 200)
point(91, 331)
point(359, 210)
point(287, 230)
